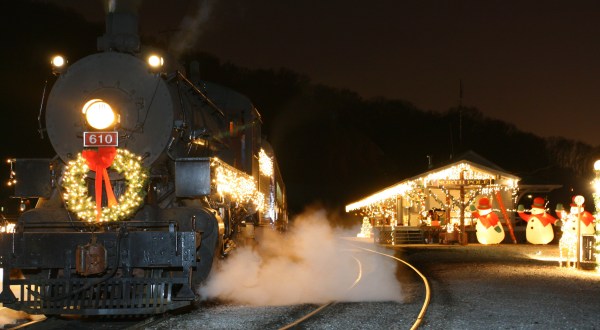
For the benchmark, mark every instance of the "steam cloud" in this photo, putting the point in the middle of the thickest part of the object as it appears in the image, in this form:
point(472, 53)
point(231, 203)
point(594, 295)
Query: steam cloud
point(309, 264)
point(191, 28)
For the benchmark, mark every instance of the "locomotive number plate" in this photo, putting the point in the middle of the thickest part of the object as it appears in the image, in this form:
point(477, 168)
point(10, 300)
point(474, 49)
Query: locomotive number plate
point(100, 139)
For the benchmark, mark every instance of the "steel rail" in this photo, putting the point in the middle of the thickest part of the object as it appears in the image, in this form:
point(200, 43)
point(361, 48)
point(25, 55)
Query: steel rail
point(320, 308)
point(427, 287)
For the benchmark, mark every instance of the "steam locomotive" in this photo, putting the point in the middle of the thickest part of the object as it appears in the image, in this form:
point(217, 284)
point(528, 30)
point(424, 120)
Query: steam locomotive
point(157, 175)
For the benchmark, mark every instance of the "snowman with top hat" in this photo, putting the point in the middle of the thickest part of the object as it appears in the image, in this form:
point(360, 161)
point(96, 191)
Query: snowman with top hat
point(578, 212)
point(539, 223)
point(489, 229)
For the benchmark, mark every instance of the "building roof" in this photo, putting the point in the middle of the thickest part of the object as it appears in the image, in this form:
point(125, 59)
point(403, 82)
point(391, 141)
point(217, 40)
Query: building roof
point(469, 168)
point(474, 159)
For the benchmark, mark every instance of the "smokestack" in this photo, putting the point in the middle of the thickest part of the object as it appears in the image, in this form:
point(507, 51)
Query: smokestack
point(121, 26)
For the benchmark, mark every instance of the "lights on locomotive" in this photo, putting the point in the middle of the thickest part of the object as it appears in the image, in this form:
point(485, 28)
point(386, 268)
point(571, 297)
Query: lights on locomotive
point(99, 114)
point(22, 206)
point(12, 180)
point(58, 63)
point(155, 62)
point(265, 163)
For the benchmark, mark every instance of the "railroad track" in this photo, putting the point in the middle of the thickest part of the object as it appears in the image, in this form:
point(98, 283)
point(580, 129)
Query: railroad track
point(417, 320)
point(427, 299)
point(323, 306)
point(41, 322)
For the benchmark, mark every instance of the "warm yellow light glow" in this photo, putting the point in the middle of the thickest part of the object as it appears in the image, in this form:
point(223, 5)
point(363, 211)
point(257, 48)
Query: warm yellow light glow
point(596, 199)
point(449, 173)
point(200, 142)
point(7, 228)
point(392, 192)
point(76, 191)
point(12, 180)
point(58, 61)
point(236, 185)
point(59, 64)
point(265, 163)
point(155, 61)
point(99, 114)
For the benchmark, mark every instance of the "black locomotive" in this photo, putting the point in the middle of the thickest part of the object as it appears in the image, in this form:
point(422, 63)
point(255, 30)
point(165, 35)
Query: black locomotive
point(157, 175)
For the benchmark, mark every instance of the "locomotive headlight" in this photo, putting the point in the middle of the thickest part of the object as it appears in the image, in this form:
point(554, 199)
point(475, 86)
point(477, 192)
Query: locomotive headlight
point(58, 63)
point(99, 114)
point(156, 62)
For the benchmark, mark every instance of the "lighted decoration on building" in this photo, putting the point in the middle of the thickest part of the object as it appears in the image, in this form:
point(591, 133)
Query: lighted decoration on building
point(236, 185)
point(539, 223)
point(417, 190)
point(469, 198)
point(489, 229)
point(76, 191)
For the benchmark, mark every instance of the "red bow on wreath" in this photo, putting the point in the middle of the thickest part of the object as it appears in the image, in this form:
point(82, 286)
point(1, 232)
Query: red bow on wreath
point(99, 161)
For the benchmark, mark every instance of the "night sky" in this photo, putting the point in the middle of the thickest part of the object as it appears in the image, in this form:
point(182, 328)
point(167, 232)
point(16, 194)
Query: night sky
point(530, 63)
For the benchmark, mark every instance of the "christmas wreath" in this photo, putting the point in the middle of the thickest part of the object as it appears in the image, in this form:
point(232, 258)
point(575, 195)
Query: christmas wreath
point(76, 192)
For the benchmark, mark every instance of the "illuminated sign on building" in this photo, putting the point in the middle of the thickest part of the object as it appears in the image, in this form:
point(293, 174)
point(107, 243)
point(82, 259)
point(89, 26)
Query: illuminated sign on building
point(464, 182)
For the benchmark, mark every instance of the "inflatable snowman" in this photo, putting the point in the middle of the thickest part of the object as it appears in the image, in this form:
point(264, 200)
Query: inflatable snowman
point(539, 223)
point(489, 229)
point(576, 212)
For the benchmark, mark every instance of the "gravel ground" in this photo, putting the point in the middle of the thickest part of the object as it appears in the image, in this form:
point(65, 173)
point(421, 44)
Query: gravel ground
point(506, 287)
point(473, 287)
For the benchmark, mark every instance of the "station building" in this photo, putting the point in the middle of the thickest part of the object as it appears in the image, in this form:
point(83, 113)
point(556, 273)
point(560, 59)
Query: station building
point(435, 206)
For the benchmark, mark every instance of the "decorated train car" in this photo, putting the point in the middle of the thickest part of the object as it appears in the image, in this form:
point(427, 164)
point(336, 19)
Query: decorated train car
point(157, 175)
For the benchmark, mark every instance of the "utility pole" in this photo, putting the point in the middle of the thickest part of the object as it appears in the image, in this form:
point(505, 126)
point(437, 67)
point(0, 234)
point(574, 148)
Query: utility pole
point(579, 201)
point(460, 97)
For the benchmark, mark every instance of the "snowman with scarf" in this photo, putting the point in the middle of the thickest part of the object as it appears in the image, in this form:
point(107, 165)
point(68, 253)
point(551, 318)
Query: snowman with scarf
point(489, 229)
point(576, 212)
point(539, 223)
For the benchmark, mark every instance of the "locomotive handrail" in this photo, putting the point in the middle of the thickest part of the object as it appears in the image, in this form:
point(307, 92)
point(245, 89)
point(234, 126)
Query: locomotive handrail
point(204, 96)
point(39, 118)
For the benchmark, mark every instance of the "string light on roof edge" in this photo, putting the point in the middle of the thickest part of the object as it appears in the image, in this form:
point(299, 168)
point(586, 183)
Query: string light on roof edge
point(453, 173)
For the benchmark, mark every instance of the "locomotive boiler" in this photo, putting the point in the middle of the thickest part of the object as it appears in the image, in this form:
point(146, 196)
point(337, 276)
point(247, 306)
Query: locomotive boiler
point(157, 174)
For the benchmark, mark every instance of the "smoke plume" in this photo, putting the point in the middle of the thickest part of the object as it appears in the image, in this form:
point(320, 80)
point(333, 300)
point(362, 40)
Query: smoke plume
point(191, 27)
point(308, 264)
